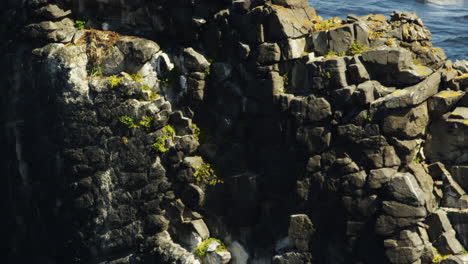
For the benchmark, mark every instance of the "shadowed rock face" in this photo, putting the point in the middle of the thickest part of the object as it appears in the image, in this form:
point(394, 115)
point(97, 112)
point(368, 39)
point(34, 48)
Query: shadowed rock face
point(218, 132)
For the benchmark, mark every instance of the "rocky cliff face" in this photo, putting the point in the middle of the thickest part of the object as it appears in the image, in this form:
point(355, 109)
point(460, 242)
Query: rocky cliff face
point(229, 132)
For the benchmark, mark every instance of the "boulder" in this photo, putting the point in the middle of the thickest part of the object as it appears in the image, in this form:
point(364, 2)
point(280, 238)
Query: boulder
point(406, 149)
point(286, 23)
point(216, 256)
point(335, 67)
point(384, 64)
point(314, 163)
point(397, 209)
point(411, 96)
point(310, 109)
point(447, 142)
point(459, 113)
point(390, 158)
point(195, 89)
point(343, 96)
point(459, 220)
point(300, 231)
point(443, 102)
point(438, 224)
point(194, 61)
point(357, 72)
point(193, 196)
point(156, 223)
point(387, 225)
point(200, 228)
point(380, 177)
point(406, 123)
point(364, 93)
point(405, 189)
point(315, 139)
point(268, 53)
point(62, 31)
point(406, 248)
point(459, 259)
point(361, 33)
point(340, 39)
point(137, 50)
point(447, 243)
point(292, 48)
point(320, 42)
point(361, 206)
point(51, 11)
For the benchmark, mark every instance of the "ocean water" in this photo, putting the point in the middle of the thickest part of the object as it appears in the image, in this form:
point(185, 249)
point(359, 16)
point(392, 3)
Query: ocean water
point(446, 19)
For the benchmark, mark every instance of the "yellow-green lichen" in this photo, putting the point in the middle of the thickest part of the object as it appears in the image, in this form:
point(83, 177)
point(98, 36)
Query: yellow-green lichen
point(462, 76)
point(439, 257)
point(201, 249)
point(160, 142)
point(357, 48)
point(128, 121)
point(447, 94)
point(114, 80)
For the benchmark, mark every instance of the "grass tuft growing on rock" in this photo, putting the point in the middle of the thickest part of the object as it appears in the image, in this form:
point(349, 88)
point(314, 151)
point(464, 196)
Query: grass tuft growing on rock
point(206, 174)
point(196, 131)
point(114, 80)
point(201, 249)
point(357, 48)
point(146, 121)
point(331, 23)
point(160, 142)
point(94, 71)
point(80, 24)
point(128, 121)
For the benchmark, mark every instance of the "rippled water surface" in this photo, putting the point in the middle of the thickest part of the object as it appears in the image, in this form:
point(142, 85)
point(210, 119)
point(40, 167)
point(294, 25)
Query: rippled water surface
point(446, 19)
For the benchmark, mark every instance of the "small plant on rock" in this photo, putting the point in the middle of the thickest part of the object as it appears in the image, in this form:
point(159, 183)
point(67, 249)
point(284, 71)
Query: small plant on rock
point(160, 145)
point(114, 80)
point(357, 48)
point(128, 121)
point(196, 131)
point(80, 24)
point(439, 257)
point(153, 95)
point(206, 174)
point(207, 71)
point(95, 71)
point(146, 121)
point(137, 77)
point(160, 142)
point(169, 130)
point(331, 23)
point(201, 249)
point(330, 53)
point(373, 35)
point(390, 42)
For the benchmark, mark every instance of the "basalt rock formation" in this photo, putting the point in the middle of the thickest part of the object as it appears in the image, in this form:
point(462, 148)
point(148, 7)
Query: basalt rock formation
point(243, 131)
